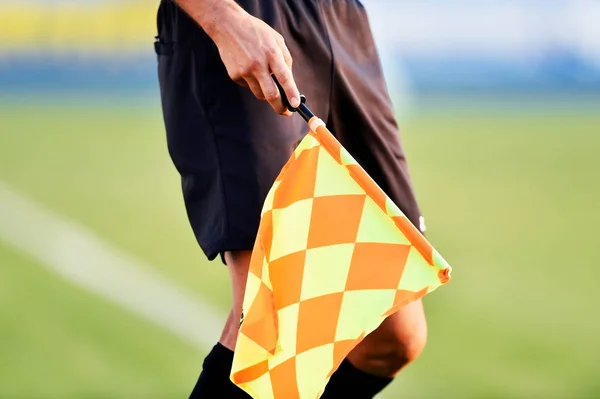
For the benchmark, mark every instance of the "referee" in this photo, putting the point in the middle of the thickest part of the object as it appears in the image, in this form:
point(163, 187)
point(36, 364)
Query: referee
point(229, 135)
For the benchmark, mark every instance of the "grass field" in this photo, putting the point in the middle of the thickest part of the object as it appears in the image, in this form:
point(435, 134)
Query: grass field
point(511, 201)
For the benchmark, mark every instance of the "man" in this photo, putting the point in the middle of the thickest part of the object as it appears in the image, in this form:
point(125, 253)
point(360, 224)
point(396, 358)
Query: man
point(229, 137)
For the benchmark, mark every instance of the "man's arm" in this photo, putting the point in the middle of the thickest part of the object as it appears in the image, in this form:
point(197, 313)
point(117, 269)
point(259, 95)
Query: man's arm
point(251, 50)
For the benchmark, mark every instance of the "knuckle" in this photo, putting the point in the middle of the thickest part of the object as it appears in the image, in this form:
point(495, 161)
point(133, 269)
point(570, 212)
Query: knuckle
point(245, 72)
point(280, 39)
point(235, 75)
point(251, 67)
point(271, 53)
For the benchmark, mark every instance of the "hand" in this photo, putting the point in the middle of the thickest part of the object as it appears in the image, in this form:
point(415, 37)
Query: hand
point(252, 51)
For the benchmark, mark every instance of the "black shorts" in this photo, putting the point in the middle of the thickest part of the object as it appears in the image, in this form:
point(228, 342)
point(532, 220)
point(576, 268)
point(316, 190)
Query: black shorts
point(229, 147)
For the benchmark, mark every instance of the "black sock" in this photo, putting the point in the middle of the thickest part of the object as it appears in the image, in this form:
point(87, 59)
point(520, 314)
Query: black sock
point(214, 382)
point(350, 382)
point(346, 382)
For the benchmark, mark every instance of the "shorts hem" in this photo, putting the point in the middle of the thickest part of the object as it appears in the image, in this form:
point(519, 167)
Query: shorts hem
point(229, 244)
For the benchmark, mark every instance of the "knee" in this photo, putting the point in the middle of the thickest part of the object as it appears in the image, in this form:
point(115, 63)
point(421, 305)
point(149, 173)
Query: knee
point(396, 353)
point(403, 350)
point(389, 349)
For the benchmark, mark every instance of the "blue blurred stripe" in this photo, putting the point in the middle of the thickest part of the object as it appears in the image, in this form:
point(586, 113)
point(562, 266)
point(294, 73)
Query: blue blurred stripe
point(137, 71)
point(69, 73)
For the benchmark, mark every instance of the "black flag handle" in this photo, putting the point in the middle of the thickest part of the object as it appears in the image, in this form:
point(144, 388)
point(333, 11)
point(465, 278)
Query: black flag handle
point(302, 109)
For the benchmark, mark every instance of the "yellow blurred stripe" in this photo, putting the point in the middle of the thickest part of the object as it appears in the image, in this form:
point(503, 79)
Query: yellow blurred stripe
point(103, 27)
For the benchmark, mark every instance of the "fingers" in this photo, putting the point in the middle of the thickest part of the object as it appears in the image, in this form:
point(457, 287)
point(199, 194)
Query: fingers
point(242, 83)
point(283, 74)
point(277, 66)
point(271, 93)
point(284, 50)
point(254, 87)
point(257, 71)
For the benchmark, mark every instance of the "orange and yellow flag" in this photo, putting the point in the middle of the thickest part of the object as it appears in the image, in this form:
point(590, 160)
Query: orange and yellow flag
point(333, 258)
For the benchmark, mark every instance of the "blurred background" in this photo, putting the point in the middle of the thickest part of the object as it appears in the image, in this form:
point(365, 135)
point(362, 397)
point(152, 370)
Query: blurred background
point(105, 294)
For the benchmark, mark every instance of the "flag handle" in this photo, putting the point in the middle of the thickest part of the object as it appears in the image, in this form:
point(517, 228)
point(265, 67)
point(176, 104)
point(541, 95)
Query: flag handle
point(302, 109)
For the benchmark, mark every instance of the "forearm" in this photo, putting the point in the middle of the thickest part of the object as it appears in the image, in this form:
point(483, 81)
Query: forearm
point(209, 13)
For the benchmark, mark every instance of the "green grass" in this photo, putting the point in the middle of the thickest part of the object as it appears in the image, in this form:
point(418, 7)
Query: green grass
point(58, 341)
point(510, 201)
point(512, 204)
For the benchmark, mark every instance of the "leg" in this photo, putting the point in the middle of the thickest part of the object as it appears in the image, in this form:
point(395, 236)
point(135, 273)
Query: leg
point(398, 341)
point(376, 360)
point(214, 381)
point(238, 263)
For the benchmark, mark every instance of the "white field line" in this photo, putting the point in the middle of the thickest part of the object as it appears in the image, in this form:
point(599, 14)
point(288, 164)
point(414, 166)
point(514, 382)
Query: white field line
point(81, 257)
